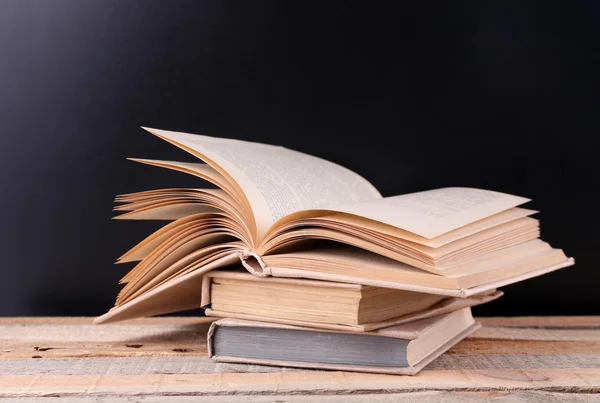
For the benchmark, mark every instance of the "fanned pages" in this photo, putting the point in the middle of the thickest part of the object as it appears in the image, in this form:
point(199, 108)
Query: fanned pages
point(283, 213)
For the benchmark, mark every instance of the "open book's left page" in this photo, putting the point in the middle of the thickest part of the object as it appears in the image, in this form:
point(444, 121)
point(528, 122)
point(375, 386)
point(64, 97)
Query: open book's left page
point(275, 180)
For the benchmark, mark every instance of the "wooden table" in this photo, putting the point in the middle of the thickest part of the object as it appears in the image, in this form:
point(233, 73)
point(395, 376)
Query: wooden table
point(550, 359)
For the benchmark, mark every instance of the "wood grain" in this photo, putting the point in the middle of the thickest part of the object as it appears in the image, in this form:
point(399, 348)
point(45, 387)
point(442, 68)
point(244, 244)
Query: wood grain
point(509, 359)
point(515, 396)
point(556, 380)
point(543, 321)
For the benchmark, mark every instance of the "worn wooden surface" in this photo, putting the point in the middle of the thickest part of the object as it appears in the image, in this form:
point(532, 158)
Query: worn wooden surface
point(521, 359)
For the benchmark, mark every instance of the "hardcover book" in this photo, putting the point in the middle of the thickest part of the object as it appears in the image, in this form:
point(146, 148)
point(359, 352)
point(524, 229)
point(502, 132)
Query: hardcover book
point(323, 304)
point(403, 349)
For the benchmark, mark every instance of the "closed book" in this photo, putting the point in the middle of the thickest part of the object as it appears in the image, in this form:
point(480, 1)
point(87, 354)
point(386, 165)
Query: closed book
point(322, 304)
point(403, 349)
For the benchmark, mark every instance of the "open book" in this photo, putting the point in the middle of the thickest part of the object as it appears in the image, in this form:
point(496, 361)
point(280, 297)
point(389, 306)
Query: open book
point(283, 213)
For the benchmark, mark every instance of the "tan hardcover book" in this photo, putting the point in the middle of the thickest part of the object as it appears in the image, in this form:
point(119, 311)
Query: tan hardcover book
point(283, 213)
point(403, 349)
point(322, 304)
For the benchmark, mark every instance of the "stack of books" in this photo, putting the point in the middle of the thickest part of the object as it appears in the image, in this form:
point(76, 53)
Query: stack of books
point(309, 266)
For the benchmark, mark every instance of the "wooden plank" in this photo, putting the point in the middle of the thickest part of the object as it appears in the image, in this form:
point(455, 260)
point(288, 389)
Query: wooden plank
point(152, 331)
point(126, 366)
point(154, 338)
point(549, 334)
point(76, 329)
point(86, 320)
point(144, 348)
point(585, 380)
point(515, 396)
point(204, 365)
point(542, 321)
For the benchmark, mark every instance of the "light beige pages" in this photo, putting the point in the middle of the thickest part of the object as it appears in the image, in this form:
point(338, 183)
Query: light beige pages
point(276, 181)
point(344, 264)
point(434, 212)
point(288, 214)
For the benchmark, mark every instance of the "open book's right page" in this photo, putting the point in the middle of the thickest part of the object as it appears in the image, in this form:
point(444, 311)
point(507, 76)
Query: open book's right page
point(433, 212)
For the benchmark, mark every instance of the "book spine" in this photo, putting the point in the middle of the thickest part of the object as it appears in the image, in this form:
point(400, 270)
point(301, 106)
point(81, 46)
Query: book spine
point(209, 339)
point(254, 264)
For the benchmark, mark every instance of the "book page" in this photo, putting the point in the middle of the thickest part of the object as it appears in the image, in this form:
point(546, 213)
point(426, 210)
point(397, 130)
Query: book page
point(276, 181)
point(434, 212)
point(203, 171)
point(178, 294)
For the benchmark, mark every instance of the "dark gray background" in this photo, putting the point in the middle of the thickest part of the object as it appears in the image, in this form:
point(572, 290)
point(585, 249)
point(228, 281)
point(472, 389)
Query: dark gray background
point(497, 95)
